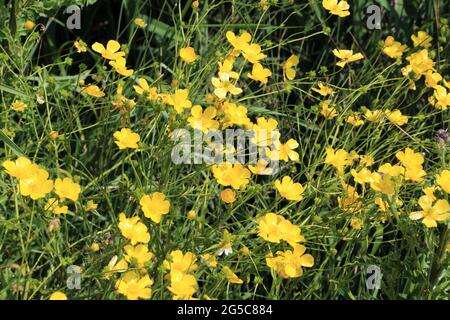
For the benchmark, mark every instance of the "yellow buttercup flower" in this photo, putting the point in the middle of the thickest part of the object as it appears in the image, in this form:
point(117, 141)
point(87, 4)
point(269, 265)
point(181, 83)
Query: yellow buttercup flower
point(274, 228)
point(21, 168)
point(93, 91)
point(223, 86)
point(238, 42)
point(443, 180)
point(324, 90)
point(382, 183)
point(260, 168)
point(432, 79)
point(228, 195)
point(36, 185)
point(442, 98)
point(288, 264)
point(339, 8)
point(144, 89)
point(289, 67)
point(140, 23)
point(356, 223)
point(203, 120)
point(155, 206)
point(374, 116)
point(226, 66)
point(392, 48)
point(252, 53)
point(269, 227)
point(231, 276)
point(326, 111)
point(431, 214)
point(18, 106)
point(120, 66)
point(366, 160)
point(179, 100)
point(133, 229)
point(415, 174)
point(180, 262)
point(58, 295)
point(90, 206)
point(227, 174)
point(182, 285)
point(111, 52)
point(391, 170)
point(192, 215)
point(188, 54)
point(355, 120)
point(66, 188)
point(289, 189)
point(259, 73)
point(133, 286)
point(126, 138)
point(235, 115)
point(362, 176)
point(80, 45)
point(410, 159)
point(346, 56)
point(54, 135)
point(138, 253)
point(422, 39)
point(210, 260)
point(285, 151)
point(396, 117)
point(419, 63)
point(53, 205)
point(429, 191)
point(338, 159)
point(265, 132)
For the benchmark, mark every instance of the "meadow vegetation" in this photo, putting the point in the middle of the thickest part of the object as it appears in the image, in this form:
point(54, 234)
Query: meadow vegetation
point(356, 119)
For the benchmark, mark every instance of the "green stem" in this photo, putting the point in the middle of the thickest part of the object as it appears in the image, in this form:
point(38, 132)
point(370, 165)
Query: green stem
point(437, 265)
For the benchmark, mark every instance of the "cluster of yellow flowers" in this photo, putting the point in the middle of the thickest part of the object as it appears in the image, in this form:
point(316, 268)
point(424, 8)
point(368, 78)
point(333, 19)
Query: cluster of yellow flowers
point(115, 56)
point(387, 180)
point(421, 65)
point(287, 264)
point(183, 284)
point(431, 213)
point(34, 182)
point(226, 114)
point(136, 282)
point(357, 118)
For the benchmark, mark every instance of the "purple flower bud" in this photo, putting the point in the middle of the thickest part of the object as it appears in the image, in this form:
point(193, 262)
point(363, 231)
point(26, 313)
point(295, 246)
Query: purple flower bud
point(442, 136)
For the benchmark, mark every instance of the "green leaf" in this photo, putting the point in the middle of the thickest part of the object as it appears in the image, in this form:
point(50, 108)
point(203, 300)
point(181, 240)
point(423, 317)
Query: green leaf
point(12, 91)
point(8, 142)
